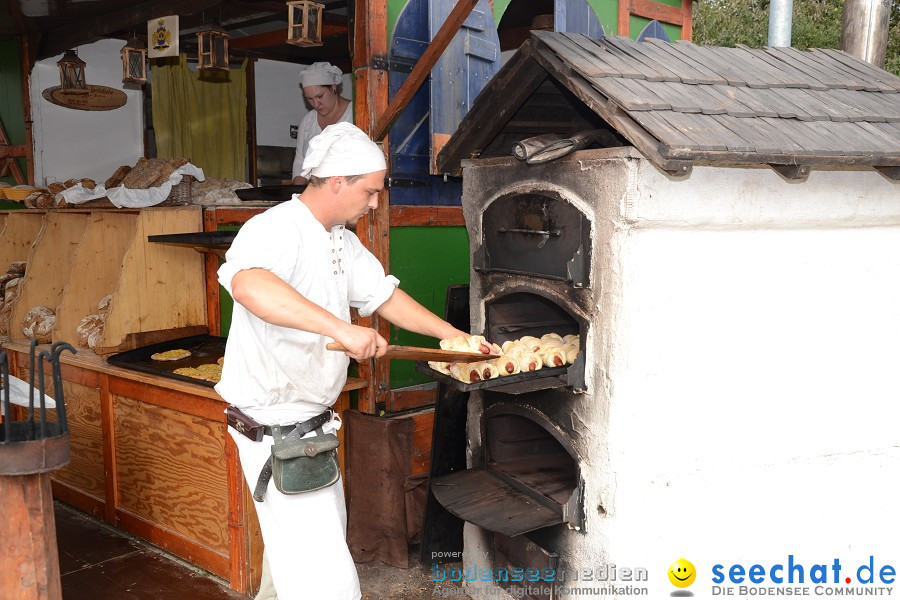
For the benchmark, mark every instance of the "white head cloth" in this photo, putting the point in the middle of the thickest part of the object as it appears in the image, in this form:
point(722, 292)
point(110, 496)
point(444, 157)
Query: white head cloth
point(342, 149)
point(320, 73)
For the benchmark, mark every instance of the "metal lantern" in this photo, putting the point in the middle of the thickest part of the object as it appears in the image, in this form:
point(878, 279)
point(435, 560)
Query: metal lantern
point(212, 49)
point(305, 23)
point(134, 62)
point(71, 73)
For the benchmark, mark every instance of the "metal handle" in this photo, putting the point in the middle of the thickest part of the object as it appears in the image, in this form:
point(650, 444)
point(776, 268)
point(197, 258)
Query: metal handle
point(546, 235)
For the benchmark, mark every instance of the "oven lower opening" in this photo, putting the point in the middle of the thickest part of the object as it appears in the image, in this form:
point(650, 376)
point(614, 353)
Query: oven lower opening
point(529, 478)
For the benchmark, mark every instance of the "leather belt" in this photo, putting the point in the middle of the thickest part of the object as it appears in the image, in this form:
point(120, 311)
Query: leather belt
point(248, 427)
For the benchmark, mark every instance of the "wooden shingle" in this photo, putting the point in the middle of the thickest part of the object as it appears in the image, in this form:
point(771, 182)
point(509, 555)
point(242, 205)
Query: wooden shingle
point(680, 102)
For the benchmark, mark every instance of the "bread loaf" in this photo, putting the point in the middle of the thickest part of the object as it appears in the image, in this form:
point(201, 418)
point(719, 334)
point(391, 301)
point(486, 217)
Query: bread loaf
point(95, 337)
point(105, 305)
point(116, 179)
point(85, 327)
point(88, 184)
point(71, 183)
point(56, 188)
point(38, 324)
point(142, 176)
point(17, 267)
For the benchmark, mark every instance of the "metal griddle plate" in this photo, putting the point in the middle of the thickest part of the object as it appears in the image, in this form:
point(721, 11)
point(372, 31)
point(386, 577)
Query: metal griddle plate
point(520, 383)
point(204, 349)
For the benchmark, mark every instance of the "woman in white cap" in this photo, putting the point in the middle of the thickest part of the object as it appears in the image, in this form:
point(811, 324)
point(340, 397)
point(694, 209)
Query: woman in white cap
point(321, 84)
point(294, 271)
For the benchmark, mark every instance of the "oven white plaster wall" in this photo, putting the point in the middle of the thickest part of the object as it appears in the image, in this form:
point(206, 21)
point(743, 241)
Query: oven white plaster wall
point(753, 379)
point(747, 384)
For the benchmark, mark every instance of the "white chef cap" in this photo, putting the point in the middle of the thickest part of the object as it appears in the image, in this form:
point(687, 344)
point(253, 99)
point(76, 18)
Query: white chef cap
point(320, 73)
point(342, 149)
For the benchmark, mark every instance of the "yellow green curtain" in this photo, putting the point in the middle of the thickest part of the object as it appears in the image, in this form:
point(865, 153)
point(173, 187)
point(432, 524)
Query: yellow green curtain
point(201, 116)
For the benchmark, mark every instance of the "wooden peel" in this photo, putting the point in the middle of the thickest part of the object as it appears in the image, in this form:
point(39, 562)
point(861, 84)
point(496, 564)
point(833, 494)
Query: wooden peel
point(414, 353)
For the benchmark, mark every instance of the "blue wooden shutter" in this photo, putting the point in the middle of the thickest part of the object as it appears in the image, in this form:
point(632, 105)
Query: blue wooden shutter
point(409, 137)
point(653, 30)
point(577, 16)
point(464, 68)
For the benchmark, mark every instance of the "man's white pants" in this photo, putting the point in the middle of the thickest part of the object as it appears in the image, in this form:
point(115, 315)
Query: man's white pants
point(304, 534)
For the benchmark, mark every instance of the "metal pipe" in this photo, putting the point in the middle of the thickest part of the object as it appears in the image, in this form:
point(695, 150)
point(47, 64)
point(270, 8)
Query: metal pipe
point(781, 13)
point(864, 32)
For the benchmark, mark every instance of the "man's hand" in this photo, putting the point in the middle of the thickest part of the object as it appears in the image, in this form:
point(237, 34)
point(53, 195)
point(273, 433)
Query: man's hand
point(361, 342)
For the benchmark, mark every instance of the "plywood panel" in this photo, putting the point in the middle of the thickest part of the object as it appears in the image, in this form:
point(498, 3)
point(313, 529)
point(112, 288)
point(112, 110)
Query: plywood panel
point(161, 286)
point(421, 452)
point(85, 470)
point(172, 470)
point(96, 268)
point(49, 266)
point(18, 235)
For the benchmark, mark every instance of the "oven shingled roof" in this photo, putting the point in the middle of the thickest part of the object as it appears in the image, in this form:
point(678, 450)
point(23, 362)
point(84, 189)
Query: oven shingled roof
point(679, 102)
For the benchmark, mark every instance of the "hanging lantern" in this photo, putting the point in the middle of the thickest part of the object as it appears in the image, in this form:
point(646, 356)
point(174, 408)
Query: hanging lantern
point(212, 49)
point(134, 62)
point(71, 73)
point(305, 23)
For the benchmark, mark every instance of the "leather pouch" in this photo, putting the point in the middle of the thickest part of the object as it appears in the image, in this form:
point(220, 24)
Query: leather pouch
point(305, 464)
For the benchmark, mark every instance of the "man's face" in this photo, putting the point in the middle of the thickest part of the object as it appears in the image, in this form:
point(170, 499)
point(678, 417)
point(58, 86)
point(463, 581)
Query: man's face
point(361, 196)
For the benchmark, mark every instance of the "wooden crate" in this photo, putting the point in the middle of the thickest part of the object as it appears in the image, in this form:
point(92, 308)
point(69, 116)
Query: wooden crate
point(49, 265)
point(158, 290)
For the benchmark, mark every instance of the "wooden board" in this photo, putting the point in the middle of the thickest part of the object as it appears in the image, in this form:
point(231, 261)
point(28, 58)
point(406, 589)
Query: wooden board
point(414, 353)
point(159, 286)
point(22, 229)
point(97, 97)
point(95, 272)
point(179, 485)
point(49, 266)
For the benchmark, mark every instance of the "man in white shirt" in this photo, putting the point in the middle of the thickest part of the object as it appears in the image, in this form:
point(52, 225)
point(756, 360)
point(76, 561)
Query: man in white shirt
point(294, 271)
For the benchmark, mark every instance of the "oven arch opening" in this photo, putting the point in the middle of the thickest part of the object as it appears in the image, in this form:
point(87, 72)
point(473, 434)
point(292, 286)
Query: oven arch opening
point(526, 313)
point(538, 234)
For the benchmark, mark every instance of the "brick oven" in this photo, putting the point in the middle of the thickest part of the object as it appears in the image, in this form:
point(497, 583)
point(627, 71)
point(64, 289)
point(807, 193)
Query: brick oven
point(737, 310)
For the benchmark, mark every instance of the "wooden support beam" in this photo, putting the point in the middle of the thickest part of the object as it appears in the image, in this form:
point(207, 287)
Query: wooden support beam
point(279, 36)
point(423, 68)
point(370, 41)
point(58, 40)
point(435, 216)
point(656, 11)
point(687, 25)
point(792, 172)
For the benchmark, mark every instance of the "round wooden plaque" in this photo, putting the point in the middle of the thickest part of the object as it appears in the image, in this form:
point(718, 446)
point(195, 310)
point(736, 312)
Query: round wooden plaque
point(96, 97)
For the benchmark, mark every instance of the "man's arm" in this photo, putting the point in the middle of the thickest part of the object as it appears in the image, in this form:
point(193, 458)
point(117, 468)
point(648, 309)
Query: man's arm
point(404, 312)
point(271, 299)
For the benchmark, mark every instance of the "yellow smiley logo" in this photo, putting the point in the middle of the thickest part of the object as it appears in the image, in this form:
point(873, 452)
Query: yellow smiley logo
point(682, 573)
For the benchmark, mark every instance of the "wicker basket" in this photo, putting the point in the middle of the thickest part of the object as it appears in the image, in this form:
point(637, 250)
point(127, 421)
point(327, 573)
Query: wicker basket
point(180, 194)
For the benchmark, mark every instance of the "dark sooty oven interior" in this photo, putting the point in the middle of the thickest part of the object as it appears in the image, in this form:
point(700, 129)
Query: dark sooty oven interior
point(535, 234)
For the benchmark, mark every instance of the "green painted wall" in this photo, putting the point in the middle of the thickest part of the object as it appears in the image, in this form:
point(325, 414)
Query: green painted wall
point(12, 113)
point(426, 260)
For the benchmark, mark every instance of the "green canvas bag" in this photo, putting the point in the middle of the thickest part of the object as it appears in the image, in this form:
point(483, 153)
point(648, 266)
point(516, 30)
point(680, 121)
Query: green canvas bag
point(304, 464)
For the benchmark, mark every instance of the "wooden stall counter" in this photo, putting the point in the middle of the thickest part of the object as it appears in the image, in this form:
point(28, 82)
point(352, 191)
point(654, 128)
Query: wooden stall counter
point(151, 456)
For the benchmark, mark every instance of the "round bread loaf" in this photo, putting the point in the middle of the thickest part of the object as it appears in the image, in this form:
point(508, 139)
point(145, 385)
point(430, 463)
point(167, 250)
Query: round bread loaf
point(56, 188)
point(71, 183)
point(17, 267)
point(85, 327)
point(38, 324)
point(4, 279)
point(88, 184)
point(12, 289)
point(105, 305)
point(95, 337)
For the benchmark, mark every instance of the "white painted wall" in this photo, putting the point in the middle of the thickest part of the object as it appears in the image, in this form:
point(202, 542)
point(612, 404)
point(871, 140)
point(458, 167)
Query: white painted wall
point(753, 371)
point(77, 143)
point(279, 101)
